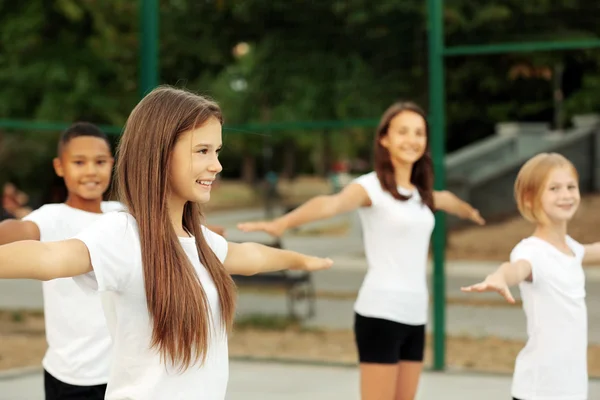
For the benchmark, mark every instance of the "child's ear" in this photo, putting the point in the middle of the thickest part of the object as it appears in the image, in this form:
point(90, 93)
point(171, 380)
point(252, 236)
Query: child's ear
point(58, 167)
point(528, 201)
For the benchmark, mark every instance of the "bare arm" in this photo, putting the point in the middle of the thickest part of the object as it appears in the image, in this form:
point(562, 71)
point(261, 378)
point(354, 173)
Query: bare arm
point(507, 275)
point(44, 260)
point(592, 254)
point(254, 258)
point(12, 230)
point(320, 207)
point(450, 203)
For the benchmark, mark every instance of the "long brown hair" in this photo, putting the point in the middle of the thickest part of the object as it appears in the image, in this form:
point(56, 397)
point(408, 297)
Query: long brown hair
point(422, 170)
point(176, 301)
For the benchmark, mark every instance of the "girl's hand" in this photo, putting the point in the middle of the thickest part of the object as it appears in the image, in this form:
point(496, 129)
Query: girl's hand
point(14, 201)
point(315, 263)
point(273, 228)
point(476, 217)
point(492, 283)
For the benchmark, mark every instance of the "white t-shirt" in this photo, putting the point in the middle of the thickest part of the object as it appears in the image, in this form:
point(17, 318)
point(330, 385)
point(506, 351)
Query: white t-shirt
point(137, 372)
point(396, 237)
point(553, 363)
point(78, 340)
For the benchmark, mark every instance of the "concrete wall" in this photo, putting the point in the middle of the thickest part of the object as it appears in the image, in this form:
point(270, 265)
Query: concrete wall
point(487, 181)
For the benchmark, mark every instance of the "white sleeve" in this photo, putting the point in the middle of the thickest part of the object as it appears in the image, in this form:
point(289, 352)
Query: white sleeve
point(372, 186)
point(577, 248)
point(217, 243)
point(114, 247)
point(528, 252)
point(45, 218)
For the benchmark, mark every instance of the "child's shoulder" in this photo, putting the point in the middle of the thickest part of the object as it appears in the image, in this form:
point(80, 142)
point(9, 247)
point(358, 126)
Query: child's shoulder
point(109, 206)
point(369, 177)
point(370, 182)
point(51, 210)
point(51, 207)
point(529, 245)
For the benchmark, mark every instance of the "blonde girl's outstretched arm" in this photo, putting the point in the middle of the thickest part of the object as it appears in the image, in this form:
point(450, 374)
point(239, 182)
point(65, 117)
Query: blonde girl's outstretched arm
point(452, 204)
point(591, 257)
point(320, 207)
point(44, 261)
point(507, 275)
point(254, 258)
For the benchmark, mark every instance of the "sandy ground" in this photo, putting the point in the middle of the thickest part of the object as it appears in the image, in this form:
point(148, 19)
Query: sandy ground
point(22, 344)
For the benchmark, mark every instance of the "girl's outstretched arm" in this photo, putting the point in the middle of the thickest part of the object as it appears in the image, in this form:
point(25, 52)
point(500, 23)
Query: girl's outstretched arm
point(592, 254)
point(508, 274)
point(44, 260)
point(254, 258)
point(320, 207)
point(450, 203)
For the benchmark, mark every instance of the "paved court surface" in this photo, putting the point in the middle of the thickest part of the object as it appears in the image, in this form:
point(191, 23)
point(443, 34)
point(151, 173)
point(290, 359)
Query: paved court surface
point(272, 381)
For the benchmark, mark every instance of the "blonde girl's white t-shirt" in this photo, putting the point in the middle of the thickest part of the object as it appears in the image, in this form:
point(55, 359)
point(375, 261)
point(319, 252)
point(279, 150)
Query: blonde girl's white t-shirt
point(396, 236)
point(553, 363)
point(137, 372)
point(79, 344)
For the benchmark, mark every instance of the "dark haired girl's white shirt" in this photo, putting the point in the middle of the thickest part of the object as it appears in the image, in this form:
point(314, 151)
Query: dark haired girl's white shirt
point(396, 237)
point(137, 372)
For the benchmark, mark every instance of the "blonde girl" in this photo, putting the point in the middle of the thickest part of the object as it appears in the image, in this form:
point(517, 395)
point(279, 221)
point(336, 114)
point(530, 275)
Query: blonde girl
point(547, 267)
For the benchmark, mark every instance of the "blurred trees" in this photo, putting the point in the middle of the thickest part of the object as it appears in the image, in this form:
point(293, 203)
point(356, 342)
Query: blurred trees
point(281, 60)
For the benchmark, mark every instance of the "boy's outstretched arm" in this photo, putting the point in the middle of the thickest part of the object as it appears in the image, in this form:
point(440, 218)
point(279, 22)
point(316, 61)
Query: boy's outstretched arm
point(508, 274)
point(254, 258)
point(44, 261)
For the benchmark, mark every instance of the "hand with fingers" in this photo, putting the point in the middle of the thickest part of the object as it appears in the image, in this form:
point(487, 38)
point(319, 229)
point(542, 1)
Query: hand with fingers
point(492, 283)
point(476, 217)
point(14, 201)
point(273, 228)
point(315, 263)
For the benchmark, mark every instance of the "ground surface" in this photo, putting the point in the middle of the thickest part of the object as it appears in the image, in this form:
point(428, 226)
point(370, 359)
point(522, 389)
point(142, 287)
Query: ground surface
point(22, 341)
point(22, 344)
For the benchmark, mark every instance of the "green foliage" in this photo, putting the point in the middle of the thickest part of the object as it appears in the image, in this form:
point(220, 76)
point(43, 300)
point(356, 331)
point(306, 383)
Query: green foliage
point(66, 60)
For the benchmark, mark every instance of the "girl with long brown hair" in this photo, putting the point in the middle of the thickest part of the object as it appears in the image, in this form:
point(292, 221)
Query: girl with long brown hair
point(172, 298)
point(395, 204)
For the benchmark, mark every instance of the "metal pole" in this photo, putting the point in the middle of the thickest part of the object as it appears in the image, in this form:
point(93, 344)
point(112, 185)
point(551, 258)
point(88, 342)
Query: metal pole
point(521, 47)
point(437, 138)
point(149, 21)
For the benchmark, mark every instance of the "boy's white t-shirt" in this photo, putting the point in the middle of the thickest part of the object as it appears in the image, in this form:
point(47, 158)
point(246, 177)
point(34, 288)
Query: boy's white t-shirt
point(553, 363)
point(396, 236)
point(137, 372)
point(79, 343)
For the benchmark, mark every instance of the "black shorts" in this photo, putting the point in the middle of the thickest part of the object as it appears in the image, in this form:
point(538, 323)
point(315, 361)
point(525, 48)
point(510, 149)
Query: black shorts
point(58, 390)
point(381, 341)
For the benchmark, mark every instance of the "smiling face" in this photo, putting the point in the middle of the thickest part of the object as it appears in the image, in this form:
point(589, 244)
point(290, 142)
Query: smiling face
point(195, 163)
point(85, 164)
point(406, 138)
point(560, 197)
